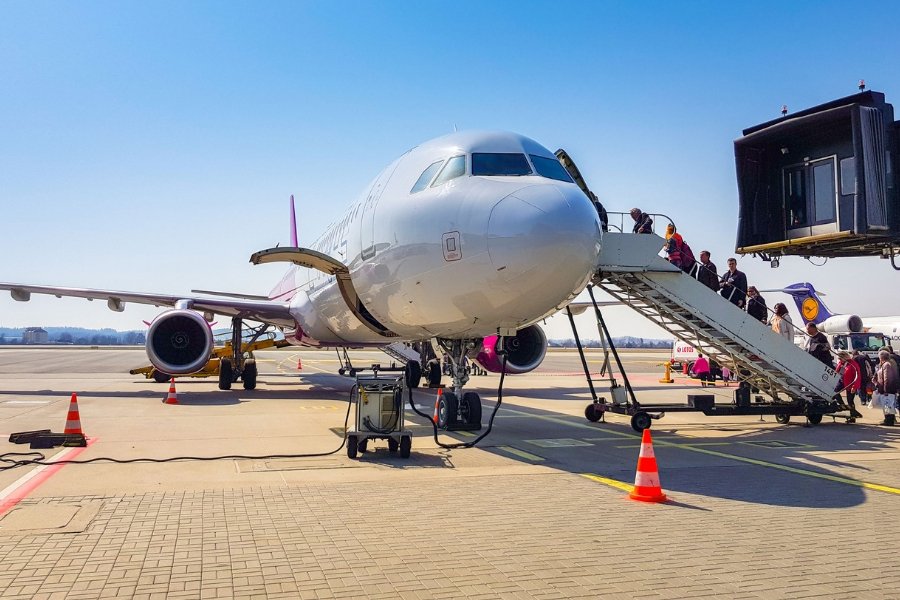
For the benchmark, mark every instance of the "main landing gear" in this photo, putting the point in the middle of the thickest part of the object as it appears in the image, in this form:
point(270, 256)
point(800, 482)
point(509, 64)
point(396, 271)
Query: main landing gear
point(458, 410)
point(239, 366)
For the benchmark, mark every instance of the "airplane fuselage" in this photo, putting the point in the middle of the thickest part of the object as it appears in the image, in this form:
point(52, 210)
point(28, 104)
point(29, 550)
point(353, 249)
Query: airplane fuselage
point(465, 236)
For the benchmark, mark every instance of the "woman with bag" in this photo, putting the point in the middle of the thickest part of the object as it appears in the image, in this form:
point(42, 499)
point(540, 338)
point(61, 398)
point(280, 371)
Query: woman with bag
point(887, 382)
point(849, 382)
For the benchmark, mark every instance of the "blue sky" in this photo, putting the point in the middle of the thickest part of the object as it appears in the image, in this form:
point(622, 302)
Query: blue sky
point(153, 146)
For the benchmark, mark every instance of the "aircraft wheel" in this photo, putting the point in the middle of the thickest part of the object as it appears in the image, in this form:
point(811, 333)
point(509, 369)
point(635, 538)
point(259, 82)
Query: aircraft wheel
point(393, 445)
point(783, 419)
point(160, 377)
point(352, 446)
point(413, 374)
point(226, 374)
point(248, 375)
point(640, 421)
point(447, 410)
point(470, 408)
point(592, 412)
point(363, 445)
point(405, 446)
point(814, 419)
point(433, 372)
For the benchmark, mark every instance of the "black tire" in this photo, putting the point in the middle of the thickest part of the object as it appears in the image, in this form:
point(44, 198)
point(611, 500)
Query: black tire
point(405, 446)
point(413, 374)
point(814, 418)
point(226, 374)
point(363, 445)
point(447, 410)
point(352, 446)
point(248, 375)
point(783, 419)
point(641, 421)
point(160, 377)
point(433, 373)
point(591, 413)
point(470, 409)
point(393, 445)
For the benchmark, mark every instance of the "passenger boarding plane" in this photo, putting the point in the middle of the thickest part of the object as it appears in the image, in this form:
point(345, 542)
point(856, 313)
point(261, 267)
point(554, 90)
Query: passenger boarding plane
point(469, 239)
point(813, 310)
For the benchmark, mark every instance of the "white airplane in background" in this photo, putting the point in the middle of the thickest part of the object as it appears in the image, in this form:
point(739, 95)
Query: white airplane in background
point(468, 239)
point(813, 310)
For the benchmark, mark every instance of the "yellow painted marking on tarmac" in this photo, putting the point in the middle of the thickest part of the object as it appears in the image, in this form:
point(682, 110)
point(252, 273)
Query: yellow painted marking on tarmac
point(619, 485)
point(521, 453)
point(465, 433)
point(753, 461)
point(637, 444)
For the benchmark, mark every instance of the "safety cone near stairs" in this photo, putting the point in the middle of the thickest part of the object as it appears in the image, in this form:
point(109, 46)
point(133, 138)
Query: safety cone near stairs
point(172, 398)
point(299, 364)
point(437, 405)
point(73, 420)
point(667, 378)
point(646, 480)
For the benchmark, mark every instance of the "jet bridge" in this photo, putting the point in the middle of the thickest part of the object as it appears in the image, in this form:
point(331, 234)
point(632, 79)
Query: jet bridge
point(632, 271)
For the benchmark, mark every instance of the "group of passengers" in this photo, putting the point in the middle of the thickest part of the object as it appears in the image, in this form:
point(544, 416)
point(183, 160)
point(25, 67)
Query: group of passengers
point(857, 375)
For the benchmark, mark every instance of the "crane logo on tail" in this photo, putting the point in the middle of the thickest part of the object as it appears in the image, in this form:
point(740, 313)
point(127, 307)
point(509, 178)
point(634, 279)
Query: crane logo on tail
point(810, 309)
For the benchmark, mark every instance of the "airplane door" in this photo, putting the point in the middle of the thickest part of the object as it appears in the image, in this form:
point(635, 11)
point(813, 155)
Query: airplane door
point(367, 226)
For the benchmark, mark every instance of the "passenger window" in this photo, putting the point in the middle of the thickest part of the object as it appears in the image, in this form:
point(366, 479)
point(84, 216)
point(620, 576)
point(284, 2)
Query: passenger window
point(484, 163)
point(550, 168)
point(425, 178)
point(455, 167)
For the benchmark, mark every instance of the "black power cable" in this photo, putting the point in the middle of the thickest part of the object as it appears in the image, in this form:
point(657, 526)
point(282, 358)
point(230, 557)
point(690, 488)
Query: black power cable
point(490, 426)
point(8, 462)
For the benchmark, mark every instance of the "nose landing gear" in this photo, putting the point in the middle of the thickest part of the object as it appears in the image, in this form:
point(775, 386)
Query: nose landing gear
point(458, 410)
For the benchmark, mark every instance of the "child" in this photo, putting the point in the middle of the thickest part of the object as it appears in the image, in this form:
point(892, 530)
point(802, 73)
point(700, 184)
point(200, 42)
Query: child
point(726, 375)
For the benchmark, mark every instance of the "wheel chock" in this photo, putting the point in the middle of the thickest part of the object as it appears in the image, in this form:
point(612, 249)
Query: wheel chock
point(52, 440)
point(25, 437)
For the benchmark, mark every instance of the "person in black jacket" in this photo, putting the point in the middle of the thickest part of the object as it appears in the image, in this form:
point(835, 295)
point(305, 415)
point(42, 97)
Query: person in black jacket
point(817, 344)
point(642, 221)
point(756, 305)
point(734, 285)
point(707, 273)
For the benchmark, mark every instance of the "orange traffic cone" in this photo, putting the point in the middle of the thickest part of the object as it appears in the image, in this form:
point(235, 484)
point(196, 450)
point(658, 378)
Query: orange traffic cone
point(299, 364)
point(646, 480)
point(437, 405)
point(73, 420)
point(172, 398)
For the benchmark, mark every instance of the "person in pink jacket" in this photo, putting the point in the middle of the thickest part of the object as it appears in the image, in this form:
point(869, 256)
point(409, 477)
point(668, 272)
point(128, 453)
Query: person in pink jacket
point(851, 379)
point(702, 371)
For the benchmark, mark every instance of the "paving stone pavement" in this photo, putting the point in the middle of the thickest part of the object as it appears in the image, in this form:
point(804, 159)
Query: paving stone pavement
point(554, 535)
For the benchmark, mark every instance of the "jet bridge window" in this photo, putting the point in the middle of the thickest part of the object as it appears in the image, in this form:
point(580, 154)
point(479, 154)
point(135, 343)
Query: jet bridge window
point(550, 168)
point(425, 178)
point(455, 167)
point(494, 163)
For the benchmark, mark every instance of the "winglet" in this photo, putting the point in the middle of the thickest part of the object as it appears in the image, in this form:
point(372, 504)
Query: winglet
point(293, 224)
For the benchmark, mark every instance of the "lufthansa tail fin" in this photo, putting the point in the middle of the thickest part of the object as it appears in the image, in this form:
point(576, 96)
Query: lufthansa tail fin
point(808, 302)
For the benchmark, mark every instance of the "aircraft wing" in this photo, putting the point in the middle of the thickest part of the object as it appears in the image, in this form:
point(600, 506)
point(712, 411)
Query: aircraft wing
point(266, 311)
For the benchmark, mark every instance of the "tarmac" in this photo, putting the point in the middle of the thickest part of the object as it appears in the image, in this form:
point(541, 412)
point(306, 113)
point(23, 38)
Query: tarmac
point(539, 509)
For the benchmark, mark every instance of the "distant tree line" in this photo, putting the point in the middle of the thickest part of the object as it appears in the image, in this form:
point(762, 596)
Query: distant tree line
point(78, 336)
point(620, 342)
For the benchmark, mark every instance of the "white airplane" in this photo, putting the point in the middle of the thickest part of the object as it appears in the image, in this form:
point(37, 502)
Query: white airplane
point(813, 310)
point(468, 239)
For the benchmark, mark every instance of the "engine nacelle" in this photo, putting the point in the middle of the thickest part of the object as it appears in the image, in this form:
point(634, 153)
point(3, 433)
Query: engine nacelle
point(179, 342)
point(841, 324)
point(525, 351)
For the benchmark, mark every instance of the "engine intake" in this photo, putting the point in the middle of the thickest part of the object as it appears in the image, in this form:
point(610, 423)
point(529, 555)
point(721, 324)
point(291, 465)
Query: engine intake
point(525, 351)
point(179, 342)
point(842, 324)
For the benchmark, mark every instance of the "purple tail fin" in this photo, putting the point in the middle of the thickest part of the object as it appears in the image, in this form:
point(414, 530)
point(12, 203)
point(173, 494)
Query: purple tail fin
point(808, 302)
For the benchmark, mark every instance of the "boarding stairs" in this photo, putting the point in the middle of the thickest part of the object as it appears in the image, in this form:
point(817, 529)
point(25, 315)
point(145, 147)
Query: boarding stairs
point(632, 271)
point(401, 352)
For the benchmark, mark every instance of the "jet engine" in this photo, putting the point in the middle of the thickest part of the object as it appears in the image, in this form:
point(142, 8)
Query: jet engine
point(525, 351)
point(179, 342)
point(841, 324)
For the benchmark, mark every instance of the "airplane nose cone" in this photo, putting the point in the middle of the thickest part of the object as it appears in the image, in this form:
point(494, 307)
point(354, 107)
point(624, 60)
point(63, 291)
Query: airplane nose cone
point(544, 239)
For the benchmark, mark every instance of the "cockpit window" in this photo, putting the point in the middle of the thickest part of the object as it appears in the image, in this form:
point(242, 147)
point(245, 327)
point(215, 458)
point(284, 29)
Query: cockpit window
point(484, 163)
point(425, 178)
point(550, 168)
point(455, 167)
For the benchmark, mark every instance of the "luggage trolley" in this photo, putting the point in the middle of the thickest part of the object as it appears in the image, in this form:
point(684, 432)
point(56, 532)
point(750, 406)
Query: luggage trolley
point(380, 414)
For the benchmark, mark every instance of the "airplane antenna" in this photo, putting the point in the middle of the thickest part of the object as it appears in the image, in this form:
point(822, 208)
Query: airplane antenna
point(454, 128)
point(293, 224)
